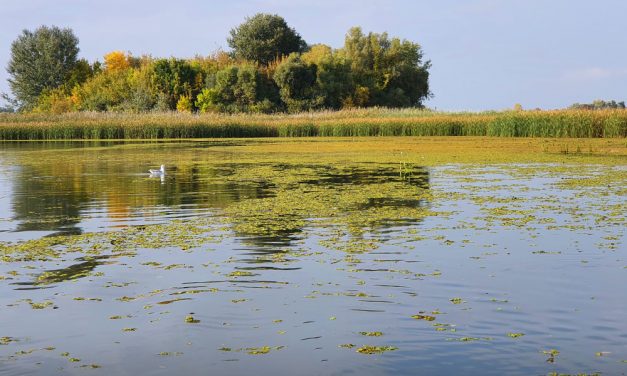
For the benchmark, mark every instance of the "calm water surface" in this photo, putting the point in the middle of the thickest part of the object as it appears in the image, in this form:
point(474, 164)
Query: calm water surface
point(291, 266)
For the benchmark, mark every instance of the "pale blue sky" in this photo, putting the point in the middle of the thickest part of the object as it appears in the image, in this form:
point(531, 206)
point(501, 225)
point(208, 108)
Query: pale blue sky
point(486, 54)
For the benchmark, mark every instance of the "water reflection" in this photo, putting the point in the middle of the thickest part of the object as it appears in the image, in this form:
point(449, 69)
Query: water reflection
point(83, 268)
point(356, 195)
point(288, 265)
point(65, 189)
point(69, 199)
point(368, 173)
point(43, 203)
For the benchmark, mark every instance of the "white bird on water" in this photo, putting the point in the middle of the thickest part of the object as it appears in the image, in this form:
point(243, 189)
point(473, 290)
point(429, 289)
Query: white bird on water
point(160, 172)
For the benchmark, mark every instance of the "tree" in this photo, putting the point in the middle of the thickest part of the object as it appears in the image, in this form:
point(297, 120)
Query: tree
point(238, 89)
point(6, 108)
point(387, 72)
point(11, 104)
point(172, 78)
point(116, 61)
point(264, 38)
point(599, 105)
point(81, 72)
point(334, 81)
point(127, 90)
point(107, 91)
point(40, 61)
point(297, 84)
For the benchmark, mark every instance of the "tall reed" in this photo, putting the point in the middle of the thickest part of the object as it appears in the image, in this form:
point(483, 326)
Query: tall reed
point(363, 122)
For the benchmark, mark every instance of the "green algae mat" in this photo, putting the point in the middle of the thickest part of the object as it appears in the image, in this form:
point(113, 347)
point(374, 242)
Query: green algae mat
point(359, 255)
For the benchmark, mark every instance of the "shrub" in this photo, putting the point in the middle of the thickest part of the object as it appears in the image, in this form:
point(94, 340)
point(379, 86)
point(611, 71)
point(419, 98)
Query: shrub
point(184, 104)
point(54, 101)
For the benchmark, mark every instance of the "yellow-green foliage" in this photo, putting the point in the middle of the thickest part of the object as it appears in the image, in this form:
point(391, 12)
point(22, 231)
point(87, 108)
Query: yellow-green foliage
point(104, 92)
point(370, 70)
point(54, 102)
point(347, 123)
point(184, 104)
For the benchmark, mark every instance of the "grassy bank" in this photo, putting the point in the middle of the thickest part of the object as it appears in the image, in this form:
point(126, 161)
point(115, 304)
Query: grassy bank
point(365, 122)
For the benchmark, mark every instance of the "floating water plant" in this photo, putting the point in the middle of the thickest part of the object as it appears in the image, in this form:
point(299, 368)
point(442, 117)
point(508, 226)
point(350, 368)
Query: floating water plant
point(371, 334)
point(191, 320)
point(6, 340)
point(375, 349)
point(42, 305)
point(258, 350)
point(93, 366)
point(423, 317)
point(240, 273)
point(551, 354)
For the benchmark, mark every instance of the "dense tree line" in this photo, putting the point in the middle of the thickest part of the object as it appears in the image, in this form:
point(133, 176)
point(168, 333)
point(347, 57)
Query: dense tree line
point(270, 69)
point(599, 105)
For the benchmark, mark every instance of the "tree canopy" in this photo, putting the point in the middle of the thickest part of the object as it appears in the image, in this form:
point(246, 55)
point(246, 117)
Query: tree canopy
point(270, 70)
point(41, 60)
point(264, 38)
point(599, 105)
point(390, 72)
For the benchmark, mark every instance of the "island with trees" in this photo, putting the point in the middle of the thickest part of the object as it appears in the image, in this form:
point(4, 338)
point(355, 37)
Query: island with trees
point(260, 88)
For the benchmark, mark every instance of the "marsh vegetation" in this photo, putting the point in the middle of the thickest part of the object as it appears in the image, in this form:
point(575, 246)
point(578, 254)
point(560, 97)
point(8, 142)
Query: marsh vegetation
point(358, 122)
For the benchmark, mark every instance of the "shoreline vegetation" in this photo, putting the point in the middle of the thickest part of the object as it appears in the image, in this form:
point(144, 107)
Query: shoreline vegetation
point(271, 84)
point(270, 69)
point(344, 123)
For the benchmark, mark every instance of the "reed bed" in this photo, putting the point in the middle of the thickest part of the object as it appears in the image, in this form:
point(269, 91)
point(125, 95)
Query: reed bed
point(362, 122)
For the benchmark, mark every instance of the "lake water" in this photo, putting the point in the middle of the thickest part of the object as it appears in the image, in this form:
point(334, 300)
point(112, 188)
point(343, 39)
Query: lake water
point(238, 261)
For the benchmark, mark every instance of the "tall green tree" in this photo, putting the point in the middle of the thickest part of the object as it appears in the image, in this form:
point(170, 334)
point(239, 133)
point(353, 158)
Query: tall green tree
point(40, 61)
point(264, 38)
point(387, 72)
point(334, 80)
point(296, 80)
point(172, 78)
point(81, 72)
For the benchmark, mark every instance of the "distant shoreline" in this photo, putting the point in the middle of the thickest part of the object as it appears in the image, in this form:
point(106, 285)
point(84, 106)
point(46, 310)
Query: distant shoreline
point(346, 123)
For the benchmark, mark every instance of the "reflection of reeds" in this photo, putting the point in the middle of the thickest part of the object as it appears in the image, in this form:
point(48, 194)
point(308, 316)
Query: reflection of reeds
point(364, 122)
point(406, 170)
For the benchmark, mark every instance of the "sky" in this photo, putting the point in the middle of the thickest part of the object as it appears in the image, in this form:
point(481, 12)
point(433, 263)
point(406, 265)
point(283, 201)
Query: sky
point(485, 54)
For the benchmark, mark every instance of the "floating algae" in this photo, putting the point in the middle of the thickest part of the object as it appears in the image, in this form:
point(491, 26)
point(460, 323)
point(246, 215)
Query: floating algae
point(369, 350)
point(191, 320)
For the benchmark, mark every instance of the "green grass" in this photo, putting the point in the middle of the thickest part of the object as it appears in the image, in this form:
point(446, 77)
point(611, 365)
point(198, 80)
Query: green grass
point(363, 122)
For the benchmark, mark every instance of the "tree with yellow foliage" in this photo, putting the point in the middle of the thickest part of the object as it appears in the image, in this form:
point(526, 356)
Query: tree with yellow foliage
point(184, 104)
point(116, 61)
